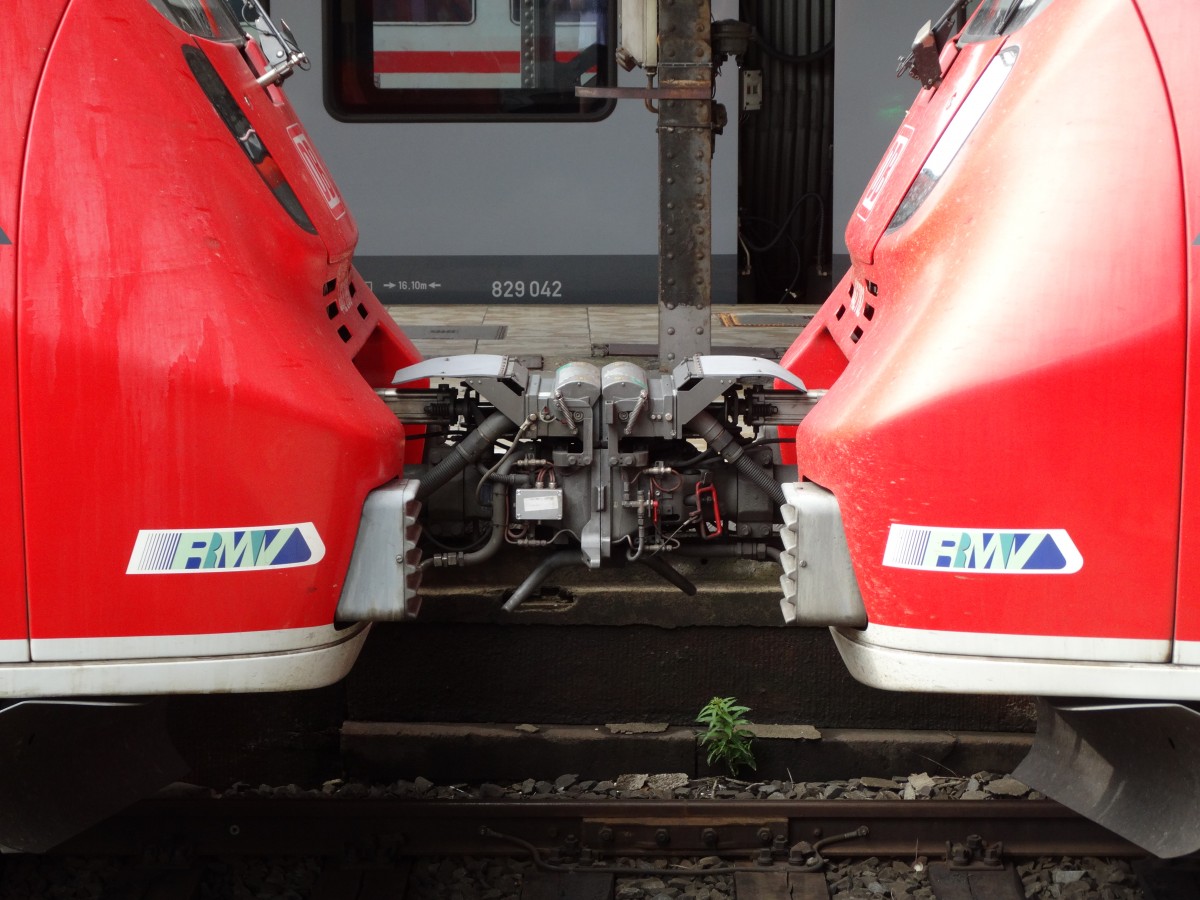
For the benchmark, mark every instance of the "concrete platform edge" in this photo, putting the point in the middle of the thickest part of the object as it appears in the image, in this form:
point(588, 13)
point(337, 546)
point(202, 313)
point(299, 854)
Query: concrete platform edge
point(456, 753)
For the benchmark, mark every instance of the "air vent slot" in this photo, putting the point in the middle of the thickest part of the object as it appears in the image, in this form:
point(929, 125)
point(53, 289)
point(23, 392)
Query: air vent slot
point(362, 311)
point(327, 287)
point(331, 310)
point(344, 333)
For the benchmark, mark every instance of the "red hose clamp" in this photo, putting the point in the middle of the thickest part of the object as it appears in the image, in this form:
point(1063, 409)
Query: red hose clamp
point(709, 524)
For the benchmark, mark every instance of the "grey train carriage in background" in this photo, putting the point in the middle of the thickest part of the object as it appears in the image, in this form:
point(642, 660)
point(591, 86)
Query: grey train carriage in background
point(460, 203)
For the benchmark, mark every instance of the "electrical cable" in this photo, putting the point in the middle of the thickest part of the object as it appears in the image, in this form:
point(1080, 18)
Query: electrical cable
point(446, 548)
point(808, 195)
point(500, 462)
point(797, 269)
point(794, 59)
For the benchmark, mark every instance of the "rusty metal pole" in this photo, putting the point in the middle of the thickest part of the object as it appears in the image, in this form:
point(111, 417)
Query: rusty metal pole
point(537, 44)
point(685, 139)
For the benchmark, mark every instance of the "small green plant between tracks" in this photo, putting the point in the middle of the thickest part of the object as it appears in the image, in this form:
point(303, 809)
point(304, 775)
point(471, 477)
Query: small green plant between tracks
point(727, 739)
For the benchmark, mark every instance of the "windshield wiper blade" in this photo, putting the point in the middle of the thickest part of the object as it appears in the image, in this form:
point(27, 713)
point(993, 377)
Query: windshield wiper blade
point(1009, 15)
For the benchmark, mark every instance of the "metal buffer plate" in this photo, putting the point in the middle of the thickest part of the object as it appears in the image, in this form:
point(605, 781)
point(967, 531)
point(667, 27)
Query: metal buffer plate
point(818, 581)
point(1129, 766)
point(385, 567)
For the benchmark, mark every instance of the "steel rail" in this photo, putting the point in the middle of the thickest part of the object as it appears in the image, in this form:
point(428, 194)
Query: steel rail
point(600, 829)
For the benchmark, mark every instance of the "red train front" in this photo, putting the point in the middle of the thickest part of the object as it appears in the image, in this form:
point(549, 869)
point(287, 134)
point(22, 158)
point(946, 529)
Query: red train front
point(193, 359)
point(1008, 439)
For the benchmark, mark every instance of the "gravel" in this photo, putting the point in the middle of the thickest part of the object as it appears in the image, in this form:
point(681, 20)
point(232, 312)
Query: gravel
point(677, 786)
point(79, 878)
point(1061, 878)
point(475, 878)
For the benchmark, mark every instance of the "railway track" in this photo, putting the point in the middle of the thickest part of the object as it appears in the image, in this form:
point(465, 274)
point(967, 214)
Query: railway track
point(372, 849)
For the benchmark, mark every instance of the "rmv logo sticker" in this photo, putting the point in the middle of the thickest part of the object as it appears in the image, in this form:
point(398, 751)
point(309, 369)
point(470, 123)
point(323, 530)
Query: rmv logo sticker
point(989, 550)
point(226, 549)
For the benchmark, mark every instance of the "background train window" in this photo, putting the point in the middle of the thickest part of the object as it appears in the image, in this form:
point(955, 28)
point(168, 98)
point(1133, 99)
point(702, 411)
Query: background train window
point(565, 10)
point(435, 12)
point(391, 60)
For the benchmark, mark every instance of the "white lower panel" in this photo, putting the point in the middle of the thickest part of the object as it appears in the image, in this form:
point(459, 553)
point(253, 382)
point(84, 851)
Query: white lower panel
point(912, 670)
point(1024, 646)
point(1187, 653)
point(291, 670)
point(176, 645)
point(14, 651)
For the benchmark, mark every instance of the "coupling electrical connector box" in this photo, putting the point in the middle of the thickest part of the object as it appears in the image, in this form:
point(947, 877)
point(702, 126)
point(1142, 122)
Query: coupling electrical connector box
point(538, 503)
point(751, 89)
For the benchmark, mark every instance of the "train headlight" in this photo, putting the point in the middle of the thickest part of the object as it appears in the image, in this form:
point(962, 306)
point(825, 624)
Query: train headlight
point(969, 114)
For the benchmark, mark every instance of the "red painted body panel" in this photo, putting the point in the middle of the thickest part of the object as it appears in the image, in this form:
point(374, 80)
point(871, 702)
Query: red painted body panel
point(22, 56)
point(1175, 30)
point(187, 352)
point(1022, 364)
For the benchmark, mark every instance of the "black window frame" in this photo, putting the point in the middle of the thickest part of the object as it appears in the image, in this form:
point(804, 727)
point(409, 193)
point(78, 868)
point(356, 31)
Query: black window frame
point(468, 21)
point(350, 93)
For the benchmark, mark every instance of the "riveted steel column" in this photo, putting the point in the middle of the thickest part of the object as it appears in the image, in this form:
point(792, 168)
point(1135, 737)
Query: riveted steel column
point(685, 181)
point(537, 44)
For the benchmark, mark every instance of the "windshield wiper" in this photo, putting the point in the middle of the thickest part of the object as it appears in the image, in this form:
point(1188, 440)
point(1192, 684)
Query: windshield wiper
point(922, 62)
point(293, 57)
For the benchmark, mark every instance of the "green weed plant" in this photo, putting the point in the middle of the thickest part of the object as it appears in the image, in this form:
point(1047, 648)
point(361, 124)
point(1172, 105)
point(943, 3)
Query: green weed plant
point(727, 739)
